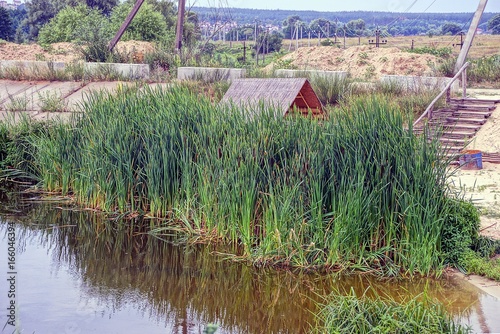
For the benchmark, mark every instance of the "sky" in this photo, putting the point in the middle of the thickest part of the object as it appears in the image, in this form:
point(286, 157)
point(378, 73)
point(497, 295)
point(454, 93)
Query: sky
point(419, 6)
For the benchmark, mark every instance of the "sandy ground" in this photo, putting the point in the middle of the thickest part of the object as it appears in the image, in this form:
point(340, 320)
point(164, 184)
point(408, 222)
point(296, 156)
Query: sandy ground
point(488, 137)
point(364, 62)
point(483, 186)
point(66, 52)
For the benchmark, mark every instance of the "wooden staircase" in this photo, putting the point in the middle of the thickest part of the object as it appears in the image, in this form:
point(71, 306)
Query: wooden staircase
point(457, 123)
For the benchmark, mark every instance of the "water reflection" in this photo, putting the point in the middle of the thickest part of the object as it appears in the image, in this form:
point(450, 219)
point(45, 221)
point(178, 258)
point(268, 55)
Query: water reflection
point(119, 279)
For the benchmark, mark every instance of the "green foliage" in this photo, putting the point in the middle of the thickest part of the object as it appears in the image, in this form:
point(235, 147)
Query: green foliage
point(148, 24)
point(104, 6)
point(494, 24)
point(17, 16)
point(355, 28)
point(6, 28)
point(39, 13)
point(267, 43)
point(351, 314)
point(484, 69)
point(329, 90)
point(460, 230)
point(438, 52)
point(450, 29)
point(161, 60)
point(93, 38)
point(69, 24)
point(473, 263)
point(486, 247)
point(290, 24)
point(16, 146)
point(322, 27)
point(354, 191)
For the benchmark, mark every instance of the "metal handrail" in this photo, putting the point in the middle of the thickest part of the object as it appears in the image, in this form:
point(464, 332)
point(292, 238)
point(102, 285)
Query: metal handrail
point(448, 86)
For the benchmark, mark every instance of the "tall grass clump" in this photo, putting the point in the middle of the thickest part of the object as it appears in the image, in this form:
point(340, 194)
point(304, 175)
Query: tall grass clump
point(356, 191)
point(485, 69)
point(351, 314)
point(329, 90)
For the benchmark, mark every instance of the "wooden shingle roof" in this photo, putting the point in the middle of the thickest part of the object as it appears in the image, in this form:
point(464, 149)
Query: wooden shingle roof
point(284, 94)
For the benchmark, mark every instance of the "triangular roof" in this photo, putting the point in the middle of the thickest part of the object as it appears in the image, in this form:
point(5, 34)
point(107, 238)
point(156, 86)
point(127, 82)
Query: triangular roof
point(282, 93)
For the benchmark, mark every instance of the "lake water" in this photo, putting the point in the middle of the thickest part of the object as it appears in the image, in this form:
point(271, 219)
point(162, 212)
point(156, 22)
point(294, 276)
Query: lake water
point(77, 272)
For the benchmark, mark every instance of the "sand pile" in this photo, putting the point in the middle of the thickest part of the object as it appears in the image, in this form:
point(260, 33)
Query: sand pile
point(67, 52)
point(363, 62)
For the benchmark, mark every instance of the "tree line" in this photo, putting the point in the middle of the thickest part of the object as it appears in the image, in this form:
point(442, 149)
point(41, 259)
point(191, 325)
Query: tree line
point(95, 21)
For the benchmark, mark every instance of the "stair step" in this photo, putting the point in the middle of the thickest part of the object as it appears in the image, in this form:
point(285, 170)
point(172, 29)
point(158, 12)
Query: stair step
point(458, 134)
point(477, 107)
point(461, 127)
point(472, 101)
point(458, 126)
point(460, 141)
point(462, 120)
point(472, 114)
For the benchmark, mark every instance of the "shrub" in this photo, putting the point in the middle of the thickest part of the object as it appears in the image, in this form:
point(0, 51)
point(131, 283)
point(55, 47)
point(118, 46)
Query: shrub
point(438, 52)
point(460, 230)
point(472, 263)
point(147, 25)
point(93, 39)
point(69, 24)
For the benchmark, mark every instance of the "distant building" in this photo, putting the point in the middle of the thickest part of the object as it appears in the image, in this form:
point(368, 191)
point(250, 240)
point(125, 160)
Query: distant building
point(7, 5)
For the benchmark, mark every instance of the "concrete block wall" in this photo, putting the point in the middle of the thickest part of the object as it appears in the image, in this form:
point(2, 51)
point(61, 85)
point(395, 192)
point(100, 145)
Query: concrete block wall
point(131, 71)
point(32, 66)
point(210, 74)
point(413, 83)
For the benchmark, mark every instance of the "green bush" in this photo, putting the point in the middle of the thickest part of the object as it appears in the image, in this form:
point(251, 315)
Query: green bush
point(438, 52)
point(147, 25)
point(16, 147)
point(69, 24)
point(472, 263)
point(460, 230)
point(93, 39)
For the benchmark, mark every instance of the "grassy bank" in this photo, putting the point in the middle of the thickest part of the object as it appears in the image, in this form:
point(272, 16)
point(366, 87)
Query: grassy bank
point(356, 191)
point(353, 314)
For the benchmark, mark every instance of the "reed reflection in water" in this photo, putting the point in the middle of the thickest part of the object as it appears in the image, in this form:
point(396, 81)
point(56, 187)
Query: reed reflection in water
point(120, 268)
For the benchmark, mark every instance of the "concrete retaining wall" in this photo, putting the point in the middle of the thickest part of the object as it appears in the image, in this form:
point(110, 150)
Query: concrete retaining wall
point(32, 66)
point(308, 73)
point(210, 74)
point(131, 71)
point(413, 83)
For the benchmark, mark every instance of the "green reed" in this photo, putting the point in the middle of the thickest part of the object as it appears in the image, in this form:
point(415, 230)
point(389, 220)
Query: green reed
point(353, 314)
point(355, 191)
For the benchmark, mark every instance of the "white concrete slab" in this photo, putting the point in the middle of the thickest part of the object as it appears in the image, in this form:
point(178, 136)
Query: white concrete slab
point(73, 101)
point(9, 88)
point(53, 96)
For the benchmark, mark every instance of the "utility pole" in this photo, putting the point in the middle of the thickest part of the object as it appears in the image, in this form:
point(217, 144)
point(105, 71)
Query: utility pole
point(470, 35)
point(297, 35)
point(125, 24)
point(180, 24)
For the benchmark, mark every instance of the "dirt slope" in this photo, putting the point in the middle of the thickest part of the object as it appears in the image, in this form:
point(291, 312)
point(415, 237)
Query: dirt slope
point(66, 52)
point(364, 62)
